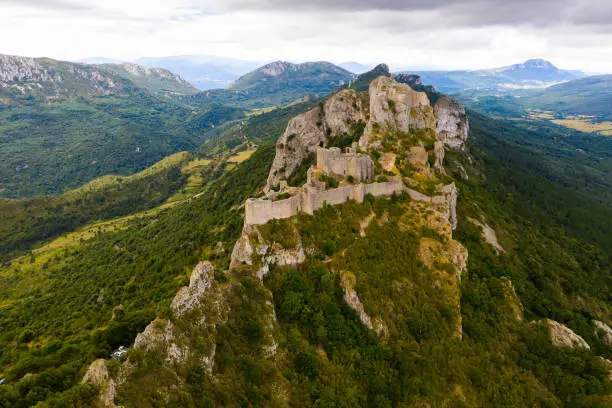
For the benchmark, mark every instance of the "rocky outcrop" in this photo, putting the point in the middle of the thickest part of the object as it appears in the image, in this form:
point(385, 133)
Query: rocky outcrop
point(563, 336)
point(21, 69)
point(603, 331)
point(303, 135)
point(607, 365)
point(308, 131)
point(189, 297)
point(200, 306)
point(97, 375)
point(489, 235)
point(348, 282)
point(341, 111)
point(452, 126)
point(396, 107)
point(439, 152)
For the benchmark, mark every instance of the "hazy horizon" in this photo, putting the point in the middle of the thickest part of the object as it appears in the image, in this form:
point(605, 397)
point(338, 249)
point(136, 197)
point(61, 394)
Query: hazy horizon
point(457, 34)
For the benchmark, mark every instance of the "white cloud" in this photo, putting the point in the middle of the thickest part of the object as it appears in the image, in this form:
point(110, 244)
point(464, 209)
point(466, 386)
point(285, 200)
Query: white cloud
point(431, 36)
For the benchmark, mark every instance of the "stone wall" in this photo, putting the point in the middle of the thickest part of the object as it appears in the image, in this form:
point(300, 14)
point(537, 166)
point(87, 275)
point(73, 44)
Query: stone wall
point(333, 161)
point(308, 200)
point(259, 211)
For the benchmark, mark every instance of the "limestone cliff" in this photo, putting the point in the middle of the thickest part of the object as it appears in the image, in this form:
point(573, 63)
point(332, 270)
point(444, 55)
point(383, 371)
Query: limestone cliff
point(452, 126)
point(308, 131)
point(302, 136)
point(395, 107)
point(389, 106)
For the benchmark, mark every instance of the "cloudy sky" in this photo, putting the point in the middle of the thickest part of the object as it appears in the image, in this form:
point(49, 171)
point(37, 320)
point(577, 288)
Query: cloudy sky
point(573, 34)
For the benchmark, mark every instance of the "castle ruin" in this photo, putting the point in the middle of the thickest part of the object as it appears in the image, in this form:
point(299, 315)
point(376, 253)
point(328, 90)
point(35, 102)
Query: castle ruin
point(314, 195)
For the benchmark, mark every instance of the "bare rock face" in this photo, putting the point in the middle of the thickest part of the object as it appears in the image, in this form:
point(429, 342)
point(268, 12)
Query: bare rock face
point(348, 282)
point(97, 375)
point(306, 132)
point(189, 297)
point(341, 111)
point(489, 235)
point(563, 336)
point(21, 69)
point(439, 152)
point(452, 125)
point(302, 136)
point(243, 250)
point(395, 106)
point(607, 332)
point(201, 306)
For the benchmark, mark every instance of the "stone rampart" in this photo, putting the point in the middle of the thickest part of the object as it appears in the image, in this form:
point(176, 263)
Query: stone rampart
point(308, 200)
point(259, 211)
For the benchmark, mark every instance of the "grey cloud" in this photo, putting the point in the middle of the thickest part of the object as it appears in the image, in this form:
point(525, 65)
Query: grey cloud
point(461, 12)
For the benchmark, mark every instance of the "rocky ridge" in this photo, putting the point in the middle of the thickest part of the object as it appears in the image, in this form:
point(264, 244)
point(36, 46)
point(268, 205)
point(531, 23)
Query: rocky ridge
point(394, 111)
point(50, 79)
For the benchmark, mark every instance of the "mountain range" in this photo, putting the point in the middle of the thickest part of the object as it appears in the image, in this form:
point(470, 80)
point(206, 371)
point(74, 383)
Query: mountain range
point(533, 73)
point(278, 83)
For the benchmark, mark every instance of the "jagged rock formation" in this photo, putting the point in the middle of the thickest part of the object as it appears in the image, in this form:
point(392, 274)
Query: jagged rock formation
point(306, 132)
point(97, 375)
point(395, 107)
point(348, 282)
point(563, 336)
point(302, 136)
point(605, 330)
point(190, 334)
point(189, 297)
point(452, 125)
point(200, 298)
point(608, 366)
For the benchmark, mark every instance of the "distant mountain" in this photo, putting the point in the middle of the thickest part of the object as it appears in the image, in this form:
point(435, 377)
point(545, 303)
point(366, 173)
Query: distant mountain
point(590, 96)
point(203, 72)
point(533, 70)
point(63, 124)
point(279, 83)
point(44, 78)
point(585, 96)
point(157, 80)
point(534, 73)
point(355, 67)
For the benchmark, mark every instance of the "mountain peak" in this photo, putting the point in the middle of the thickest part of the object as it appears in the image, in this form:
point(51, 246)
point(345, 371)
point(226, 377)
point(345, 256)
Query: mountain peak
point(277, 68)
point(535, 63)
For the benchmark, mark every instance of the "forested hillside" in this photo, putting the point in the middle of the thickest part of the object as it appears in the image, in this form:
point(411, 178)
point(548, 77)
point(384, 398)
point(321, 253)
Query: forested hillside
point(86, 271)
